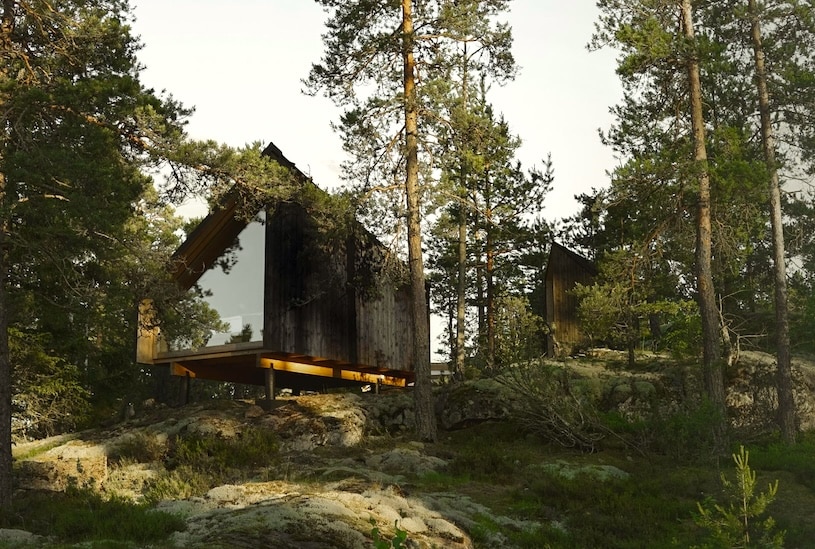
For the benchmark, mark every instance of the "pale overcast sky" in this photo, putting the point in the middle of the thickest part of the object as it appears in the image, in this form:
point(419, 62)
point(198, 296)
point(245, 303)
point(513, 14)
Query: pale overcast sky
point(240, 64)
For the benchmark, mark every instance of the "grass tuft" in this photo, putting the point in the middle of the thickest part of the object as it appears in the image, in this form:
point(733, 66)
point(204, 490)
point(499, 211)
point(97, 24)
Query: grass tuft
point(196, 462)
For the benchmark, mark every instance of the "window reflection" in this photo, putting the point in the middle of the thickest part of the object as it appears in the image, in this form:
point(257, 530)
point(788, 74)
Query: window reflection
point(234, 287)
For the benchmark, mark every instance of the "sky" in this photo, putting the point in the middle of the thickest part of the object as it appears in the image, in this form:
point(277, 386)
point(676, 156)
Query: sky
point(240, 64)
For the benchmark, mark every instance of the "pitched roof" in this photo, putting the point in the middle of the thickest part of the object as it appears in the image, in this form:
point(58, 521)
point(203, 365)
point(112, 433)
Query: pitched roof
point(218, 230)
point(581, 261)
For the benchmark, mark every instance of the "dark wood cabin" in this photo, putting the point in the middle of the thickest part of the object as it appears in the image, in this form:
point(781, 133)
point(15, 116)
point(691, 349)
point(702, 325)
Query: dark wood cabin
point(302, 307)
point(564, 269)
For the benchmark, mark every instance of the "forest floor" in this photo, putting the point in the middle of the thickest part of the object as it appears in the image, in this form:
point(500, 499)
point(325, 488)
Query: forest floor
point(314, 472)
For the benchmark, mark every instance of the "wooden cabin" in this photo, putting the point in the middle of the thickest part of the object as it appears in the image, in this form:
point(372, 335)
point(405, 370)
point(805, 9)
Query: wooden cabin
point(564, 269)
point(305, 309)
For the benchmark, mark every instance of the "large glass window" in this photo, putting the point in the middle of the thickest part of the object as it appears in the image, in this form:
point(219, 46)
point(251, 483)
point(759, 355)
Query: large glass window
point(237, 290)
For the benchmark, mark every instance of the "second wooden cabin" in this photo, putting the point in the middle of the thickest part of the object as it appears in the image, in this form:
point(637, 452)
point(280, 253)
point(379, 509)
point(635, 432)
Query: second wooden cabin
point(564, 269)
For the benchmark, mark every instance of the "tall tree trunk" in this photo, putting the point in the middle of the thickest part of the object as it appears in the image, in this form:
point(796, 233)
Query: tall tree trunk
point(712, 368)
point(6, 27)
point(5, 367)
point(786, 401)
point(489, 271)
point(479, 287)
point(490, 274)
point(461, 290)
point(423, 391)
point(451, 330)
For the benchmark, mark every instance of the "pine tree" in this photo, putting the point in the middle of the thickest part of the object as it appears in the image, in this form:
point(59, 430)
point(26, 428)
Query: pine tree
point(770, 46)
point(660, 68)
point(76, 128)
point(786, 402)
point(371, 42)
point(495, 203)
point(479, 52)
point(386, 63)
point(712, 370)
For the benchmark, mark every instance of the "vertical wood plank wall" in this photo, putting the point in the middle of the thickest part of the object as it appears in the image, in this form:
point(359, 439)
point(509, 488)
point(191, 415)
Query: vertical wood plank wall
point(312, 308)
point(564, 269)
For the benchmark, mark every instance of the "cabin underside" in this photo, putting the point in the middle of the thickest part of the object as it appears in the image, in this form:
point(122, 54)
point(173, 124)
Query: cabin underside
point(252, 364)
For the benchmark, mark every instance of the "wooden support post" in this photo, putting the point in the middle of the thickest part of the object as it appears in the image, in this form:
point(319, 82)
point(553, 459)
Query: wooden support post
point(184, 390)
point(269, 384)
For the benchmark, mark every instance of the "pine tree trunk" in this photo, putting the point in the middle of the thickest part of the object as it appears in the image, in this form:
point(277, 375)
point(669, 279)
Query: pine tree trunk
point(461, 291)
point(479, 287)
point(786, 401)
point(5, 360)
point(451, 331)
point(423, 391)
point(5, 371)
point(712, 369)
point(489, 272)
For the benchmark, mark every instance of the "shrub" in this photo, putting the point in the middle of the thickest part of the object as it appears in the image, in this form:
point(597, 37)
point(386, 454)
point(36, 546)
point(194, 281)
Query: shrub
point(141, 447)
point(197, 462)
point(613, 512)
point(216, 454)
point(685, 434)
point(553, 406)
point(48, 396)
point(796, 459)
point(683, 335)
point(180, 483)
point(484, 462)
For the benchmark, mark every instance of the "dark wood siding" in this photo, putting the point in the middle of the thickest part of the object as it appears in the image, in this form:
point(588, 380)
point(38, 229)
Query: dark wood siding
point(312, 306)
point(564, 269)
point(384, 329)
point(306, 307)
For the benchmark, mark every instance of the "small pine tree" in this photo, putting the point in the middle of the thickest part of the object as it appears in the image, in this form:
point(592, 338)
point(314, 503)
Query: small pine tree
point(734, 526)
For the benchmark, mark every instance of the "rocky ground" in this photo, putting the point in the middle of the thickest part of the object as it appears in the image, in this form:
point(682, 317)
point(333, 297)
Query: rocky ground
point(340, 471)
point(343, 463)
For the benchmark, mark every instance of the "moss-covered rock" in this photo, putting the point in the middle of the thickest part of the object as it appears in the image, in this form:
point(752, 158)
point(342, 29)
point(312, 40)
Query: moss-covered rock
point(463, 404)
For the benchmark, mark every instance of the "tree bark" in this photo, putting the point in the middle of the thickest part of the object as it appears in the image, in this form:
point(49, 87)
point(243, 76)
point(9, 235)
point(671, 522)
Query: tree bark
point(712, 369)
point(489, 272)
point(6, 27)
point(461, 290)
point(786, 401)
point(5, 368)
point(479, 288)
point(423, 391)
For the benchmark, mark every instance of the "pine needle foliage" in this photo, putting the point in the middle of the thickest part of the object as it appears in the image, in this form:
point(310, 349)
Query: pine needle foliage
point(736, 524)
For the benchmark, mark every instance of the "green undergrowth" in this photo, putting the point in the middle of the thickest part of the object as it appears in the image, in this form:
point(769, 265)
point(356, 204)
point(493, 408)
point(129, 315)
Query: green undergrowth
point(84, 515)
point(653, 506)
point(651, 499)
point(196, 462)
point(40, 448)
point(799, 460)
point(190, 464)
